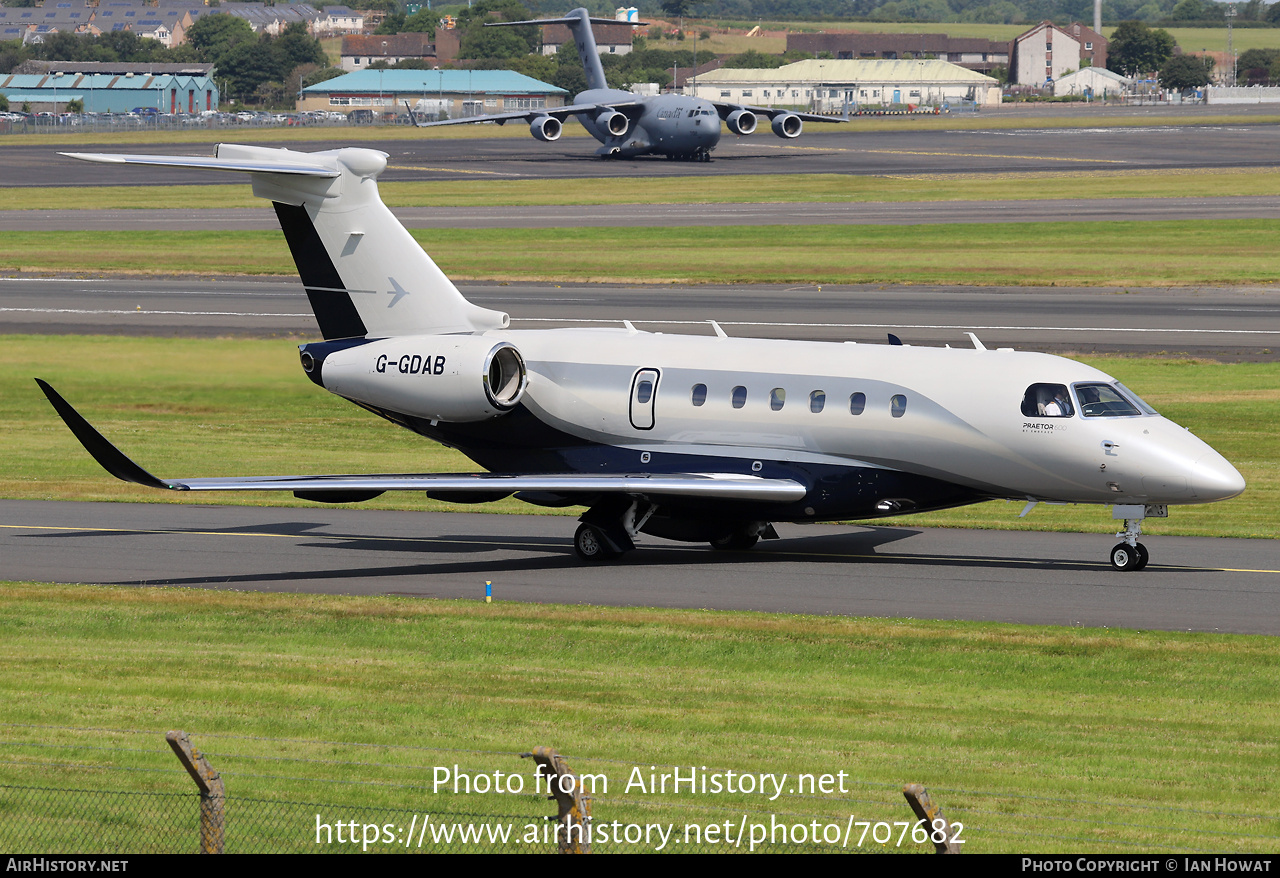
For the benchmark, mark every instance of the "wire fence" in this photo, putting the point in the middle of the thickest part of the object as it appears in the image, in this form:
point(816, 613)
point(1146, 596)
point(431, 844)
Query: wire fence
point(113, 791)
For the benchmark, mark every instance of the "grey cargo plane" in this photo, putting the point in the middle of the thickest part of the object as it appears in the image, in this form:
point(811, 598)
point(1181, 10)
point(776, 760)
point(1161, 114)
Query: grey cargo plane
point(685, 437)
point(628, 124)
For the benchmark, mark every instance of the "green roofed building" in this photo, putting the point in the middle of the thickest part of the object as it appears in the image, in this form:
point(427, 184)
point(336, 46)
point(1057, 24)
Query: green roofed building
point(824, 86)
point(436, 93)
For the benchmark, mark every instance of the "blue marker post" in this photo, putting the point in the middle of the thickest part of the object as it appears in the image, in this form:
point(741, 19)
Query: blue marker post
point(488, 592)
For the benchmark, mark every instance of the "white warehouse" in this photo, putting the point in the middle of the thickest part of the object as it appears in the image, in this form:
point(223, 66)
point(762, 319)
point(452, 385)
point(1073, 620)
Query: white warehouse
point(824, 86)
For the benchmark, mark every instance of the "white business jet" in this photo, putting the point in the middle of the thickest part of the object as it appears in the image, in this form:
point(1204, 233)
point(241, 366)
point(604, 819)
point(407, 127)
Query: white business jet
point(694, 438)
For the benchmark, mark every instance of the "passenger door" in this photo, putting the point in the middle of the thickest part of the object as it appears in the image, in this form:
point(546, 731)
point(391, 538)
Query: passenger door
point(644, 394)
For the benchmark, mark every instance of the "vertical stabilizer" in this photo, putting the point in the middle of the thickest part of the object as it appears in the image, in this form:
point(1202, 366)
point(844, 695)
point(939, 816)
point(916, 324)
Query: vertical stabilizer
point(364, 273)
point(579, 22)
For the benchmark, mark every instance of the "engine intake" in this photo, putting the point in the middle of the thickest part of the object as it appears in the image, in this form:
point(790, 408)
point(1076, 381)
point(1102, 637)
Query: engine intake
point(788, 126)
point(741, 122)
point(546, 128)
point(614, 122)
point(452, 378)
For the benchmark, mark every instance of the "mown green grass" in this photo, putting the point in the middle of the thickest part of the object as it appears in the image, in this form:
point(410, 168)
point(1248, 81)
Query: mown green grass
point(1153, 254)
point(1038, 739)
point(186, 408)
point(791, 188)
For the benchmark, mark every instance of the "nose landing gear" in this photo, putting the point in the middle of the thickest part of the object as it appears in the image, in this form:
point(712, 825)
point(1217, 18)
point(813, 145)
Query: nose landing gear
point(1131, 554)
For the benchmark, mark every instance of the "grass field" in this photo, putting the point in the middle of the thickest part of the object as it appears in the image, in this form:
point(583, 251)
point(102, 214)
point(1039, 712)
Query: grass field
point(1035, 738)
point(791, 188)
point(1113, 254)
point(184, 407)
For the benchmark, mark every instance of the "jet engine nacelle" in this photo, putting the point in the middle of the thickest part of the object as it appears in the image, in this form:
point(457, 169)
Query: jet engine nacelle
point(453, 378)
point(741, 122)
point(613, 122)
point(546, 128)
point(788, 126)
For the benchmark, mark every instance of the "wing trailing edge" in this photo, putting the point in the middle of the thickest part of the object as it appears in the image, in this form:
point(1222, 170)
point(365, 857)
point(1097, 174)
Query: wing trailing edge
point(331, 488)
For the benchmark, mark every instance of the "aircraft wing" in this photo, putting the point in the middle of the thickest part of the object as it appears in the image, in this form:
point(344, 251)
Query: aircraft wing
point(724, 109)
point(487, 486)
point(560, 113)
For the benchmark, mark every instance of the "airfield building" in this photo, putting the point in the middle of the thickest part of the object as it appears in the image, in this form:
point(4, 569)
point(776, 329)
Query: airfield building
point(824, 86)
point(111, 87)
point(446, 93)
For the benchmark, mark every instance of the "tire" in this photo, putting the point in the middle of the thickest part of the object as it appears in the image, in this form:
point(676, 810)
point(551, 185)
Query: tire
point(1124, 557)
point(590, 545)
point(738, 541)
point(1143, 557)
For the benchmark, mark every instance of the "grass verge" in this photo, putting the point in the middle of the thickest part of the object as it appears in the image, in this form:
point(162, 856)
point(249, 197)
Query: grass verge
point(1151, 254)
point(1037, 739)
point(185, 407)
point(789, 188)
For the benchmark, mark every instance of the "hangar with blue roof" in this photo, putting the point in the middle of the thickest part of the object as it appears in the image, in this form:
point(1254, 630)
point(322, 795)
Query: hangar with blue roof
point(111, 87)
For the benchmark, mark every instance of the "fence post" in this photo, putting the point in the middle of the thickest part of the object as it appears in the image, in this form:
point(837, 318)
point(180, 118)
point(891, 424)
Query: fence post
point(928, 811)
point(573, 828)
point(212, 792)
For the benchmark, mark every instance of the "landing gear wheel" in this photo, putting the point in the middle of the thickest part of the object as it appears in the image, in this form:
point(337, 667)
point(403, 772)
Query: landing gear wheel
point(591, 546)
point(738, 541)
point(1143, 556)
point(1126, 557)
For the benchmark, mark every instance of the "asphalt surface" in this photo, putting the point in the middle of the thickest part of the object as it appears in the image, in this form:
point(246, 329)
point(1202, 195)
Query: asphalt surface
point(1226, 324)
point(1053, 579)
point(1164, 145)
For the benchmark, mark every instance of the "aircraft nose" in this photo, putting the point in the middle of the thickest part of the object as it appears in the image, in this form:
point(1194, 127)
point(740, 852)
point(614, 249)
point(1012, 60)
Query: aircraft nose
point(1213, 478)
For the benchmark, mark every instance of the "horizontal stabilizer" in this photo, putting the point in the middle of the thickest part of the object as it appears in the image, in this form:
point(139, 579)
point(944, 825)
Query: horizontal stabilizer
point(247, 166)
point(721, 486)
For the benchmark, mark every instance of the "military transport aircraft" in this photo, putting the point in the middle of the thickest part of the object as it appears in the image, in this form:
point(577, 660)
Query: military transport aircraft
point(694, 438)
point(628, 124)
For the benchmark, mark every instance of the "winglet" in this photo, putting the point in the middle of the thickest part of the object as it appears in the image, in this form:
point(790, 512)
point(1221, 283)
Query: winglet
point(413, 120)
point(107, 455)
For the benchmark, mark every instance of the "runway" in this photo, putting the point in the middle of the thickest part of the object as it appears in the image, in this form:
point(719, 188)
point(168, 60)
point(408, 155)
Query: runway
point(1052, 579)
point(909, 150)
point(1226, 324)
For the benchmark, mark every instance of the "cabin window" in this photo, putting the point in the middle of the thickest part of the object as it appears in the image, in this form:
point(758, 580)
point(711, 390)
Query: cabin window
point(644, 392)
point(857, 403)
point(1104, 401)
point(739, 397)
point(898, 405)
point(777, 399)
point(1047, 401)
point(817, 400)
point(699, 394)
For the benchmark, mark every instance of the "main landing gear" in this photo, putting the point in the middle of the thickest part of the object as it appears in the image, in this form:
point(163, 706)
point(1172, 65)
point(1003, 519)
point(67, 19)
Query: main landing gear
point(608, 529)
point(1129, 554)
point(744, 537)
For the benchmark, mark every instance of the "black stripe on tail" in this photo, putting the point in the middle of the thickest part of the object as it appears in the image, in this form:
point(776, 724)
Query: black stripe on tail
point(334, 310)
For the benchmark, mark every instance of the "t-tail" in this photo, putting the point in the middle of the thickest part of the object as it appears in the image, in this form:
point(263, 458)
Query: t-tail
point(365, 275)
point(579, 22)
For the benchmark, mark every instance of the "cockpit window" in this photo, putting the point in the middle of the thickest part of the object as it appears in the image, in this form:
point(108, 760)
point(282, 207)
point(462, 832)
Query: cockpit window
point(1104, 401)
point(1047, 401)
point(1137, 400)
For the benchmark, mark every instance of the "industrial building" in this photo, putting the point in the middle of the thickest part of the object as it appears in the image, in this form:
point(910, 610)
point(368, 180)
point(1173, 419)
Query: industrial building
point(826, 86)
point(456, 92)
point(111, 87)
point(974, 53)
